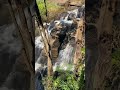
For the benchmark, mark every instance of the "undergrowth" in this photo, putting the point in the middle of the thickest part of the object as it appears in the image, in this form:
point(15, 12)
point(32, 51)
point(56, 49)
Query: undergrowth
point(66, 80)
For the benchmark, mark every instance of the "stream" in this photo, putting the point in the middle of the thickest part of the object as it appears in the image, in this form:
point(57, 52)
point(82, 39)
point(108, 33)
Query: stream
point(66, 50)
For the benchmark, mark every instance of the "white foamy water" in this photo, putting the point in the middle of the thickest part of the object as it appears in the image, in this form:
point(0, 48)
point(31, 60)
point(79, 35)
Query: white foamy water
point(38, 42)
point(66, 55)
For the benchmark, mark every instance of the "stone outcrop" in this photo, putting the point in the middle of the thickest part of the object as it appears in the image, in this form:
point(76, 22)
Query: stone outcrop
point(102, 41)
point(17, 44)
point(79, 42)
point(59, 38)
point(67, 29)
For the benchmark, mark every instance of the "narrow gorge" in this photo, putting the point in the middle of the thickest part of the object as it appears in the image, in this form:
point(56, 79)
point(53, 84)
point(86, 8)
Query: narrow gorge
point(67, 45)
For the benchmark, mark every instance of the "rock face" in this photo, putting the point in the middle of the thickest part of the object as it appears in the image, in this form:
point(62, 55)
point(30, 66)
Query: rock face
point(79, 41)
point(102, 43)
point(62, 39)
point(16, 44)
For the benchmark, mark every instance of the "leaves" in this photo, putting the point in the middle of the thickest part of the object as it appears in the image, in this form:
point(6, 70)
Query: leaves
point(68, 81)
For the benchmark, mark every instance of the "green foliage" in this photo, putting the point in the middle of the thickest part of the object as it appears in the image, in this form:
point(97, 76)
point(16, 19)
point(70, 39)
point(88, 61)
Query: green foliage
point(67, 81)
point(83, 50)
point(41, 7)
point(116, 54)
point(81, 80)
point(52, 8)
point(116, 58)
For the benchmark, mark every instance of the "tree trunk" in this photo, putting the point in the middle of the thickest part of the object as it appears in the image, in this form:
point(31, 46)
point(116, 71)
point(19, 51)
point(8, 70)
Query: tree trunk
point(17, 55)
point(101, 17)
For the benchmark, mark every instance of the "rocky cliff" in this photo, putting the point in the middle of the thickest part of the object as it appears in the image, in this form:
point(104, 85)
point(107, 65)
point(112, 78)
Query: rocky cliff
point(16, 44)
point(102, 45)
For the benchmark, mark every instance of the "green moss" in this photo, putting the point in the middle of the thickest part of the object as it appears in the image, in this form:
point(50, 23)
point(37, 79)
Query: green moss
point(116, 58)
point(83, 50)
point(116, 63)
point(116, 54)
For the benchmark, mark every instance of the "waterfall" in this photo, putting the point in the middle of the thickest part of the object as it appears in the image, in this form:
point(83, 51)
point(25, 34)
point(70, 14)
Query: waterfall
point(65, 55)
point(38, 47)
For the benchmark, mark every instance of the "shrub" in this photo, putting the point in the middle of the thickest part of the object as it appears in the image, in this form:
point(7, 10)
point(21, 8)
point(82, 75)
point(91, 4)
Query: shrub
point(67, 81)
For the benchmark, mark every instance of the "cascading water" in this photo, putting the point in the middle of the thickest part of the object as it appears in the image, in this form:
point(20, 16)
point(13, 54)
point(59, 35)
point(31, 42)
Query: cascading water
point(38, 47)
point(65, 55)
